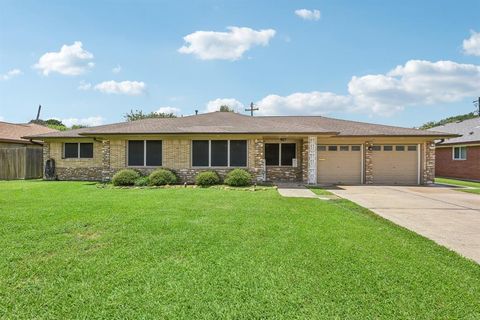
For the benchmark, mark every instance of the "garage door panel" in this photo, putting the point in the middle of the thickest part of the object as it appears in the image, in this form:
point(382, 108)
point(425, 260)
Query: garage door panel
point(391, 166)
point(339, 165)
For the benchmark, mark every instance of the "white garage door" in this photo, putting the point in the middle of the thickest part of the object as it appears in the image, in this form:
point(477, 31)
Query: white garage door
point(395, 164)
point(339, 164)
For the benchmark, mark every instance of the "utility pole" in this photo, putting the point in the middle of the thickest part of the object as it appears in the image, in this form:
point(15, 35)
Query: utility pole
point(476, 103)
point(38, 112)
point(251, 109)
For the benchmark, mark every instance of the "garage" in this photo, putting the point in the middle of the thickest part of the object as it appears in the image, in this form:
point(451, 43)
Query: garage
point(395, 164)
point(339, 164)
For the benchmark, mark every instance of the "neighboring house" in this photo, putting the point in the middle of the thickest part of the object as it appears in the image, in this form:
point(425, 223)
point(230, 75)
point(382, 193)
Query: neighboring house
point(21, 158)
point(308, 149)
point(459, 157)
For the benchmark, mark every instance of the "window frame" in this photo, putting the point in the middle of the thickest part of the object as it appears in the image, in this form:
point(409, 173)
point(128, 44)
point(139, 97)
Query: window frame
point(460, 153)
point(210, 153)
point(280, 155)
point(78, 157)
point(144, 154)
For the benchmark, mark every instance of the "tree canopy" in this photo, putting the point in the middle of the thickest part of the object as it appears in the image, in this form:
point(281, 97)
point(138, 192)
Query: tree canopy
point(225, 108)
point(461, 117)
point(138, 115)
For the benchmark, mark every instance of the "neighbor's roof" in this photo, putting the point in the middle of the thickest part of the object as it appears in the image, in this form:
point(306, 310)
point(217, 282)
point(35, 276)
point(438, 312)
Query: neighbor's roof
point(13, 132)
point(468, 129)
point(234, 123)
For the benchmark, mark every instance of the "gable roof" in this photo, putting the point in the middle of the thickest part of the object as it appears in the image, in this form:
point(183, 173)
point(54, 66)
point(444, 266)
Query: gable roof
point(468, 129)
point(234, 123)
point(14, 132)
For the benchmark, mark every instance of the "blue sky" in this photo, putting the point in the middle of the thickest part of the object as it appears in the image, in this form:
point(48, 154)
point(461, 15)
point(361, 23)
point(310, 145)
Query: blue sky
point(393, 62)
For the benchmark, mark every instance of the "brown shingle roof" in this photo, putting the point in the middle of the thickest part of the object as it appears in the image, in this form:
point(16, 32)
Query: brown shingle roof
point(469, 131)
point(234, 123)
point(13, 132)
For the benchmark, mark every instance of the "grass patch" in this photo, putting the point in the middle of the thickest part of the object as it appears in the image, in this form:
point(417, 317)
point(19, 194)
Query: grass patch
point(474, 186)
point(72, 250)
point(319, 190)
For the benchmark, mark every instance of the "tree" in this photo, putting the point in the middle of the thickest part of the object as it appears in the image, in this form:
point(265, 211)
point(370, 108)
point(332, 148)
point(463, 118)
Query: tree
point(461, 117)
point(138, 115)
point(51, 123)
point(225, 108)
point(79, 126)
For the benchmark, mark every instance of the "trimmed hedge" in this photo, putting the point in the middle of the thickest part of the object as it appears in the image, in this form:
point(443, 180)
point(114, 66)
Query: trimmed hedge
point(207, 178)
point(125, 177)
point(238, 178)
point(162, 177)
point(142, 182)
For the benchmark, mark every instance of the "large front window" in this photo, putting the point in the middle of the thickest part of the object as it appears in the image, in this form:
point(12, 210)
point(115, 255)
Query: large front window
point(280, 154)
point(219, 153)
point(459, 153)
point(82, 150)
point(145, 153)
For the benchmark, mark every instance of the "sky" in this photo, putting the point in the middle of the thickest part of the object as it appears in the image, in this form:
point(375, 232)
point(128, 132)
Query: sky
point(89, 62)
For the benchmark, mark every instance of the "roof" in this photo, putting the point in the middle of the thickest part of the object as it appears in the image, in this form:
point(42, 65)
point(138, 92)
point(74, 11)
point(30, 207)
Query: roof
point(468, 129)
point(14, 132)
point(234, 123)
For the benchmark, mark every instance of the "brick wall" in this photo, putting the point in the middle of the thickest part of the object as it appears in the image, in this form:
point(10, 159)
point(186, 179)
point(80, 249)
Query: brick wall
point(463, 169)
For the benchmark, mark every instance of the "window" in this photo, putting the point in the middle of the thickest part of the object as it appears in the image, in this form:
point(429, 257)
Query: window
point(459, 153)
point(145, 153)
point(77, 150)
point(344, 148)
point(219, 153)
point(376, 148)
point(280, 154)
point(412, 148)
point(399, 148)
point(332, 148)
point(355, 148)
point(387, 148)
point(321, 148)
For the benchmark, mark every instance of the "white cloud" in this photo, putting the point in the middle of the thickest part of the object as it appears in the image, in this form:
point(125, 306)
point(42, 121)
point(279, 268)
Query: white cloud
point(471, 46)
point(214, 105)
point(418, 82)
point(306, 14)
point(10, 74)
point(117, 69)
point(132, 88)
point(315, 103)
point(231, 45)
point(175, 111)
point(2, 118)
point(90, 121)
point(84, 85)
point(71, 60)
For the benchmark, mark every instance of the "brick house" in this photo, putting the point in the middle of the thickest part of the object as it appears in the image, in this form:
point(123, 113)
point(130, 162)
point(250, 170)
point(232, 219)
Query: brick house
point(308, 149)
point(459, 157)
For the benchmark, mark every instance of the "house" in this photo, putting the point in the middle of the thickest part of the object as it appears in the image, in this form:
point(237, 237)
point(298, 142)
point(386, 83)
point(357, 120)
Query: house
point(459, 157)
point(21, 158)
point(308, 149)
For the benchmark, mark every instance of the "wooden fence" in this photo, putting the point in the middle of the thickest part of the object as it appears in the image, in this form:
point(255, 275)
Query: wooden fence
point(21, 163)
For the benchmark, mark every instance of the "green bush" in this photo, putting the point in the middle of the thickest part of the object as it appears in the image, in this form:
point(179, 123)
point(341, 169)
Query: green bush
point(162, 177)
point(207, 178)
point(238, 178)
point(142, 182)
point(125, 177)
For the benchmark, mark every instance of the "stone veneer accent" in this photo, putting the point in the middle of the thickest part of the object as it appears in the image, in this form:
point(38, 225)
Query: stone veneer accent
point(258, 166)
point(305, 160)
point(106, 168)
point(429, 162)
point(85, 174)
point(368, 163)
point(284, 174)
point(46, 156)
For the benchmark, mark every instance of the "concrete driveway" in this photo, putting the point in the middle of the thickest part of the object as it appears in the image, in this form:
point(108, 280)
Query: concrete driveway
point(449, 217)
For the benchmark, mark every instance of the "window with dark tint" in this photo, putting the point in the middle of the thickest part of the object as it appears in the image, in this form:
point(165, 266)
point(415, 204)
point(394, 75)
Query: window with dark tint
point(71, 150)
point(344, 148)
point(238, 153)
point(412, 148)
point(321, 148)
point(332, 148)
point(154, 152)
point(355, 148)
point(272, 154)
point(399, 148)
point(387, 148)
point(200, 153)
point(219, 151)
point(86, 150)
point(288, 153)
point(135, 152)
point(376, 148)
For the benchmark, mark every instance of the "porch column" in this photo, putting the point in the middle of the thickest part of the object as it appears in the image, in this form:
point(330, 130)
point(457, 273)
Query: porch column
point(106, 172)
point(312, 160)
point(429, 163)
point(368, 163)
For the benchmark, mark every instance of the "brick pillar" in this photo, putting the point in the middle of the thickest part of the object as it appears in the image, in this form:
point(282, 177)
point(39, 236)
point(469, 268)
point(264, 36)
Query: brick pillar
point(305, 160)
point(46, 156)
point(429, 162)
point(368, 163)
point(106, 171)
point(259, 163)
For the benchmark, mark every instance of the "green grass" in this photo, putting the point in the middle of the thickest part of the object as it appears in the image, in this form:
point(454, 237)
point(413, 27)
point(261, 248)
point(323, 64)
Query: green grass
point(319, 190)
point(475, 186)
point(72, 250)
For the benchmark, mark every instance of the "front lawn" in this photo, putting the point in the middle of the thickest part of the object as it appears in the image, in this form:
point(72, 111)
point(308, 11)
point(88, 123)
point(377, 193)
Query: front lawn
point(474, 187)
point(72, 250)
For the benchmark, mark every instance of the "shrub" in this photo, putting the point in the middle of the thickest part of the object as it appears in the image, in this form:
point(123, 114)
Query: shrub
point(207, 178)
point(162, 177)
point(142, 182)
point(125, 177)
point(238, 178)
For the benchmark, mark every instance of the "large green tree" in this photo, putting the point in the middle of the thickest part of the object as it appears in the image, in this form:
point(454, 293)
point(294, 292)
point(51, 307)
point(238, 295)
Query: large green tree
point(461, 117)
point(138, 115)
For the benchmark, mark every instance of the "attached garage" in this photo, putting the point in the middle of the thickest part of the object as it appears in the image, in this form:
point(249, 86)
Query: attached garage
point(396, 164)
point(339, 164)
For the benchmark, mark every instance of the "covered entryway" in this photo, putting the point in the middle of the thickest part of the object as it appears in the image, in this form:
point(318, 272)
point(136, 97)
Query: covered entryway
point(396, 164)
point(339, 164)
